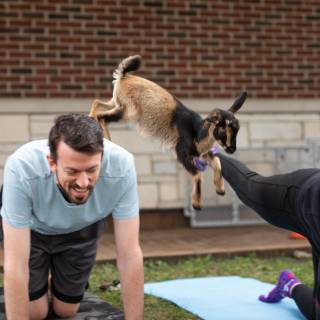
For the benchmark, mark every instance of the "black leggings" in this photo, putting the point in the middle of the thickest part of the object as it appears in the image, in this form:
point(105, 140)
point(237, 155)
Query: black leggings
point(274, 199)
point(303, 297)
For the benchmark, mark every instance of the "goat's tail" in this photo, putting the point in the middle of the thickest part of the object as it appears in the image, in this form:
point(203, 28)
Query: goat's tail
point(129, 64)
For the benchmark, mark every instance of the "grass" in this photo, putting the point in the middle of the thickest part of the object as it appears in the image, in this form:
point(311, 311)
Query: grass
point(262, 268)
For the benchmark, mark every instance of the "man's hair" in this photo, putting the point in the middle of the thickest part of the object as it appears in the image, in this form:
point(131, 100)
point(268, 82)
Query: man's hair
point(80, 132)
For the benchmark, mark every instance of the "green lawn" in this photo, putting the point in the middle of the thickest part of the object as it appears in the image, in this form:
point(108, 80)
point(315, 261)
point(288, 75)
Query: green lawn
point(264, 269)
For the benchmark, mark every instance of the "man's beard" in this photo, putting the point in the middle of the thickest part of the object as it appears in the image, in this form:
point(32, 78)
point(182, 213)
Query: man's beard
point(69, 198)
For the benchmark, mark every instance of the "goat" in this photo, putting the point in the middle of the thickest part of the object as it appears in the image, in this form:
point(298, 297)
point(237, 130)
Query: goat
point(159, 114)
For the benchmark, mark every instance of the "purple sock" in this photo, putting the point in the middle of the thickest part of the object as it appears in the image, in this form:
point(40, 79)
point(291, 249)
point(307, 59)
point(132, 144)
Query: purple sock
point(282, 289)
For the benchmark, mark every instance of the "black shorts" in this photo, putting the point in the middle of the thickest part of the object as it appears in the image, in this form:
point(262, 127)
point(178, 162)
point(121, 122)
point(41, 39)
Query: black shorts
point(68, 258)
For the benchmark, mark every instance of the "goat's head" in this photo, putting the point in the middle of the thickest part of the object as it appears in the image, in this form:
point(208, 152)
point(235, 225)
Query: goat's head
point(224, 126)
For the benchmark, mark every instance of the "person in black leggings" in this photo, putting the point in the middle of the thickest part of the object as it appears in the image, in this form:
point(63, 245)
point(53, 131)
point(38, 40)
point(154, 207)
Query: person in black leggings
point(290, 201)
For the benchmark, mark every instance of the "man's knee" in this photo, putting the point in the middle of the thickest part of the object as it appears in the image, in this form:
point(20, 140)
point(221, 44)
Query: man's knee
point(64, 310)
point(39, 308)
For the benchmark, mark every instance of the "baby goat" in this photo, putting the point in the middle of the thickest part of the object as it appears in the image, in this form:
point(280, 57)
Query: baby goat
point(159, 114)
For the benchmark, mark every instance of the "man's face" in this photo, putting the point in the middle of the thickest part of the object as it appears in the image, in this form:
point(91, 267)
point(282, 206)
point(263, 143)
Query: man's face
point(76, 172)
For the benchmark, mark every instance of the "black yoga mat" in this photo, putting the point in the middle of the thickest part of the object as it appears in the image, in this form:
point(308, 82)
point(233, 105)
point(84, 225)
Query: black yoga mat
point(91, 308)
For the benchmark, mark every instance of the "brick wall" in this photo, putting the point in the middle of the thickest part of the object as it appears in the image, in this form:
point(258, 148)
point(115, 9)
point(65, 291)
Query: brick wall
point(61, 54)
point(197, 49)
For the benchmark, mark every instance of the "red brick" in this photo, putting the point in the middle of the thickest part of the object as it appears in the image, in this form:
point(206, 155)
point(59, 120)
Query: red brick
point(101, 87)
point(35, 94)
point(70, 24)
point(118, 41)
point(222, 95)
point(86, 78)
point(8, 79)
point(71, 71)
point(20, 23)
point(33, 62)
point(221, 7)
point(45, 7)
point(94, 10)
point(135, 34)
point(57, 32)
point(33, 46)
point(58, 47)
point(59, 63)
point(101, 71)
point(87, 94)
point(153, 33)
point(61, 79)
point(70, 39)
point(118, 10)
point(35, 79)
point(21, 86)
point(47, 87)
point(211, 72)
point(121, 25)
point(234, 88)
point(45, 24)
point(177, 4)
point(9, 62)
point(18, 6)
point(246, 80)
point(58, 94)
point(105, 2)
point(44, 39)
point(143, 42)
point(169, 27)
point(18, 38)
point(314, 59)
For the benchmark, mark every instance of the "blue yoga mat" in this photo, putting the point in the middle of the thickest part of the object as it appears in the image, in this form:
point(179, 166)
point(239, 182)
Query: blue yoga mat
point(224, 298)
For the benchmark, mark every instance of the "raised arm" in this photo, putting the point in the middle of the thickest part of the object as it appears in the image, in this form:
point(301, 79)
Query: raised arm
point(16, 271)
point(130, 266)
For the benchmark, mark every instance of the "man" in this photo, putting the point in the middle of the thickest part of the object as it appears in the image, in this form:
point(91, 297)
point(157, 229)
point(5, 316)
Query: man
point(290, 201)
point(56, 194)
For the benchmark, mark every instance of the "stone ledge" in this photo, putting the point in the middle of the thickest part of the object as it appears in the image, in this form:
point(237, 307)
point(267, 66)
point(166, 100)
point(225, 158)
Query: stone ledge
point(52, 106)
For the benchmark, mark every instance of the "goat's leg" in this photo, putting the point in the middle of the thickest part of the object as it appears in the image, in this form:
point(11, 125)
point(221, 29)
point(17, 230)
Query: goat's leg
point(98, 107)
point(106, 111)
point(196, 191)
point(187, 161)
point(214, 163)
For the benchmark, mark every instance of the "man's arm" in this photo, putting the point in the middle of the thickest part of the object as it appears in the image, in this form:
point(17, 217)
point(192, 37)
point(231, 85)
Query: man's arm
point(16, 271)
point(130, 265)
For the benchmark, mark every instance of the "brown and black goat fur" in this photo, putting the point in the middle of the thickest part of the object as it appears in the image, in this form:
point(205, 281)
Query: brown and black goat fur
point(159, 114)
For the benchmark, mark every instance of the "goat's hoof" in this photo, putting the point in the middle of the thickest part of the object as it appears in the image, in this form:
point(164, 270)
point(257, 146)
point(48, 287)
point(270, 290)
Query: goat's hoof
point(221, 192)
point(95, 103)
point(94, 109)
point(197, 207)
point(100, 118)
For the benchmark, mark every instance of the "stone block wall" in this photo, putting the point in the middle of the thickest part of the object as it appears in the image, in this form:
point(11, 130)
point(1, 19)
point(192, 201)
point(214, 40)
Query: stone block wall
point(162, 181)
point(57, 56)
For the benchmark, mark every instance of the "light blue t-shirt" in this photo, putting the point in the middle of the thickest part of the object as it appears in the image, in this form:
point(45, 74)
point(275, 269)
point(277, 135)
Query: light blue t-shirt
point(31, 197)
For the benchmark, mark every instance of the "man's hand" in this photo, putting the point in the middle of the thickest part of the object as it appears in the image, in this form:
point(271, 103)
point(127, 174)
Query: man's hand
point(130, 265)
point(16, 271)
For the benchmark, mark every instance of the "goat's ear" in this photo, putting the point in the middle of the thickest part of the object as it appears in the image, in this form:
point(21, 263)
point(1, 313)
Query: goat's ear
point(238, 102)
point(213, 118)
